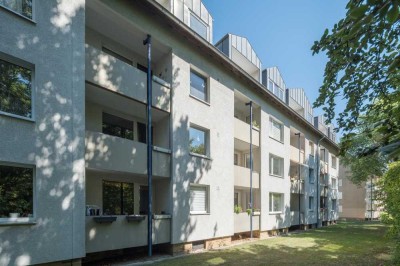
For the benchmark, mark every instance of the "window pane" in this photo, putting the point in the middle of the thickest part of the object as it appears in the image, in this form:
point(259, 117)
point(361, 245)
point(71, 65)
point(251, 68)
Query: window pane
point(15, 89)
point(128, 197)
point(112, 198)
point(271, 86)
point(23, 7)
point(117, 126)
point(197, 141)
point(277, 202)
point(16, 191)
point(198, 86)
point(198, 26)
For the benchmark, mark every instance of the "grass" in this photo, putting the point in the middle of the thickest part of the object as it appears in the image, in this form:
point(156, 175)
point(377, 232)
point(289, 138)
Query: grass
point(347, 243)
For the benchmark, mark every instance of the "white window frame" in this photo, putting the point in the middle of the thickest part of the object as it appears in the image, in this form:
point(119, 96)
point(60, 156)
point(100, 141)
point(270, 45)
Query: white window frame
point(31, 67)
point(312, 148)
point(271, 121)
point(334, 159)
point(334, 186)
point(207, 203)
point(271, 165)
point(271, 202)
point(20, 15)
point(23, 220)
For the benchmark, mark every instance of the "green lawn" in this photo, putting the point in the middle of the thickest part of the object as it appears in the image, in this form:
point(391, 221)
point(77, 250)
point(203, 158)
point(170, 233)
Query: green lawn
point(347, 243)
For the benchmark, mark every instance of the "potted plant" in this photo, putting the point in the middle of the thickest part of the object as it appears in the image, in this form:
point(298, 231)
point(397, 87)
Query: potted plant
point(237, 209)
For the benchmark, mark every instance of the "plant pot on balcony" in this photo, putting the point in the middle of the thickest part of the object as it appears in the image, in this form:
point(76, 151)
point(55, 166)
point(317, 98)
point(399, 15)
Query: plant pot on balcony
point(104, 219)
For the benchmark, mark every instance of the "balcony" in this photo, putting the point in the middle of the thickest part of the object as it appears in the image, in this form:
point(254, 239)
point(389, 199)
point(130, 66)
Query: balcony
point(123, 234)
point(105, 152)
point(294, 155)
point(117, 76)
point(242, 132)
point(297, 186)
point(242, 177)
point(323, 190)
point(294, 218)
point(324, 214)
point(334, 193)
point(242, 222)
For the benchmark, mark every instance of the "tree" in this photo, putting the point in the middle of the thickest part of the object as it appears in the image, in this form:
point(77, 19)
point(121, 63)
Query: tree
point(363, 67)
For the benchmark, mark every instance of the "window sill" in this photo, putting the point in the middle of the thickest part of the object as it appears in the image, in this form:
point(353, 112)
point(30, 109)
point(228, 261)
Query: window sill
point(311, 210)
point(200, 156)
point(275, 213)
point(199, 213)
point(278, 176)
point(17, 117)
point(18, 14)
point(162, 150)
point(17, 221)
point(200, 100)
point(277, 140)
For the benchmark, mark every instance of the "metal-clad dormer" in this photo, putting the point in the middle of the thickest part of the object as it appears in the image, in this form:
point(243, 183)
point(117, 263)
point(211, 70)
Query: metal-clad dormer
point(297, 99)
point(273, 81)
point(240, 51)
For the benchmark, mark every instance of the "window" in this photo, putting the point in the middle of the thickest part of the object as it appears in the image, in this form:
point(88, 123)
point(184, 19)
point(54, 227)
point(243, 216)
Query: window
point(198, 26)
point(118, 198)
point(333, 205)
point(311, 203)
point(15, 89)
point(16, 191)
point(198, 86)
point(311, 145)
point(22, 7)
point(275, 202)
point(275, 89)
point(236, 199)
point(276, 130)
point(334, 162)
point(311, 176)
point(198, 199)
point(142, 131)
point(198, 141)
point(275, 165)
point(247, 160)
point(334, 183)
point(117, 126)
point(236, 159)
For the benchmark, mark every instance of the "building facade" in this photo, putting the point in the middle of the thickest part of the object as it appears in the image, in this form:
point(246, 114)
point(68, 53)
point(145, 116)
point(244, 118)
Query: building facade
point(73, 133)
point(358, 202)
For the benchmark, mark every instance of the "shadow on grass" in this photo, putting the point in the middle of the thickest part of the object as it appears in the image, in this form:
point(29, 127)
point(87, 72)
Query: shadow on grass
point(349, 243)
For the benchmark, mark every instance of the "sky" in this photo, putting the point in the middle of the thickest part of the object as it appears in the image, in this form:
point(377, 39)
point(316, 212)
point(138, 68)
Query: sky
point(282, 33)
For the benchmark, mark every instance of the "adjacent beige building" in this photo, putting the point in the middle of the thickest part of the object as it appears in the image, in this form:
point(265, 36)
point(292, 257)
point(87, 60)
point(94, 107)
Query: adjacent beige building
point(74, 143)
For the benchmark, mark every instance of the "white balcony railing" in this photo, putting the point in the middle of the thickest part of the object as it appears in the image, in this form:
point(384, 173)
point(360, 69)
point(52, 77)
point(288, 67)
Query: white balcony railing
point(294, 155)
point(297, 186)
point(105, 152)
point(242, 132)
point(115, 75)
point(242, 177)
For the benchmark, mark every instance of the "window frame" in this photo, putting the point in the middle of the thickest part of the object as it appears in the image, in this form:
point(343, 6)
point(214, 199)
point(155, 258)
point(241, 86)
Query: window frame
point(207, 203)
point(282, 136)
point(312, 148)
point(33, 19)
point(23, 220)
point(206, 78)
point(24, 64)
point(206, 141)
point(121, 183)
point(271, 202)
point(334, 159)
point(312, 201)
point(271, 155)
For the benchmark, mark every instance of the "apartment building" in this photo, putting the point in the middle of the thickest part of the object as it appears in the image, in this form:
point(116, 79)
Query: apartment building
point(358, 201)
point(73, 166)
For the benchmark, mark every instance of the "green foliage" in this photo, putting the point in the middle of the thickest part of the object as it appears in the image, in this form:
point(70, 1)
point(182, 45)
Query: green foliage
point(248, 211)
point(390, 196)
point(237, 209)
point(363, 68)
point(198, 149)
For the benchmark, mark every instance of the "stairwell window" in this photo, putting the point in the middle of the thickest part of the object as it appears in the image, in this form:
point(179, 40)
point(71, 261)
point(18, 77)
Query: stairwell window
point(276, 165)
point(334, 162)
point(311, 203)
point(199, 199)
point(15, 89)
point(198, 86)
point(275, 130)
point(16, 191)
point(275, 202)
point(21, 7)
